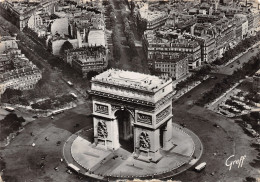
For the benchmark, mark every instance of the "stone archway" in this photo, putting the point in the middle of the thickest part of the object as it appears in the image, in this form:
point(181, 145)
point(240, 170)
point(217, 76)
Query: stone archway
point(125, 129)
point(122, 100)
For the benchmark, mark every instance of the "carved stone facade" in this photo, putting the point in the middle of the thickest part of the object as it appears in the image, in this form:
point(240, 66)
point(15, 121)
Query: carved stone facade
point(103, 109)
point(144, 141)
point(102, 130)
point(143, 118)
point(145, 99)
point(163, 114)
point(114, 108)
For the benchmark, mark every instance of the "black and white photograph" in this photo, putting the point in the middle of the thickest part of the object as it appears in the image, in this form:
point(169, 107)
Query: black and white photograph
point(130, 90)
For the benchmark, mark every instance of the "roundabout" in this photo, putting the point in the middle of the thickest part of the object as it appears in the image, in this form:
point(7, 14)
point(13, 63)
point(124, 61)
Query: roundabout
point(134, 134)
point(99, 163)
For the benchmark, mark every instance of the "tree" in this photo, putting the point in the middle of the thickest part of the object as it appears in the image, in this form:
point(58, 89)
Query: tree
point(11, 95)
point(91, 74)
point(66, 46)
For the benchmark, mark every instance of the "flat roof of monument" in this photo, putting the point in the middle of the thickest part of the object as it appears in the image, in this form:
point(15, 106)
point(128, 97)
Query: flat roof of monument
point(131, 79)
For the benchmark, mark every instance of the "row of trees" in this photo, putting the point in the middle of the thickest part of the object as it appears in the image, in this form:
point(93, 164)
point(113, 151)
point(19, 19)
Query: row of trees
point(198, 76)
point(248, 68)
point(241, 47)
point(116, 43)
point(13, 96)
point(115, 32)
point(129, 35)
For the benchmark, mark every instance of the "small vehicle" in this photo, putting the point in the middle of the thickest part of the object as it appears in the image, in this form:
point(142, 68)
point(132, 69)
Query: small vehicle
point(231, 66)
point(52, 117)
point(116, 156)
point(213, 77)
point(73, 168)
point(69, 83)
point(69, 171)
point(56, 169)
point(74, 95)
point(183, 125)
point(35, 116)
point(57, 112)
point(58, 143)
point(217, 126)
point(10, 109)
point(42, 165)
point(200, 166)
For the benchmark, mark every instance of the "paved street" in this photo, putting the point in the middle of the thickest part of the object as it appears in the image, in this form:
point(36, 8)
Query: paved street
point(229, 69)
point(23, 161)
point(227, 140)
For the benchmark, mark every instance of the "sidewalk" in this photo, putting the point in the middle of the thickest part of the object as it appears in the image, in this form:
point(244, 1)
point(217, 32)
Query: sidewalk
point(239, 55)
point(185, 90)
point(175, 161)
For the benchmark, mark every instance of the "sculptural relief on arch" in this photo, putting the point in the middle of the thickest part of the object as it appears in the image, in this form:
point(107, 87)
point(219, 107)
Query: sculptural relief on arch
point(132, 109)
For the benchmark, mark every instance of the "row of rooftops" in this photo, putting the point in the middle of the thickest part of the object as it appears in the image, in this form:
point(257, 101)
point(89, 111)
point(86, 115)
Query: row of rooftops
point(88, 50)
point(5, 57)
point(6, 38)
point(25, 7)
point(25, 71)
point(152, 39)
point(216, 29)
point(87, 61)
point(170, 59)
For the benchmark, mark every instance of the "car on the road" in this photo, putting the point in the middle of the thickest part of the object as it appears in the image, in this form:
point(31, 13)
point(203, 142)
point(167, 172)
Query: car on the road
point(35, 116)
point(69, 171)
point(213, 77)
point(183, 125)
point(217, 126)
point(58, 143)
point(200, 166)
point(69, 83)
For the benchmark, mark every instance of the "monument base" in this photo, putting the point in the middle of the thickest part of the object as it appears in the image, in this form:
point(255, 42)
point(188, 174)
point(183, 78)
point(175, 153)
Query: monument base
point(168, 145)
point(148, 156)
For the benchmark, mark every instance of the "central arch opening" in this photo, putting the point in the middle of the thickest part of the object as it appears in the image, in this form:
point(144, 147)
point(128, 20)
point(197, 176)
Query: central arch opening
point(125, 120)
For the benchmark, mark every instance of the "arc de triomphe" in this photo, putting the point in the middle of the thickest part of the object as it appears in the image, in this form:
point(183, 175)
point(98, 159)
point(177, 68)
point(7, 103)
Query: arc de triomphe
point(133, 105)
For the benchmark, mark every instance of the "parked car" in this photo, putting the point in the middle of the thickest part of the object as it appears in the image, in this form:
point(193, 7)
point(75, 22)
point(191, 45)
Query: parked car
point(69, 171)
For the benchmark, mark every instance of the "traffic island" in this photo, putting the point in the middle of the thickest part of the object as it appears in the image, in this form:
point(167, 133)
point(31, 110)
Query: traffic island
point(100, 163)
